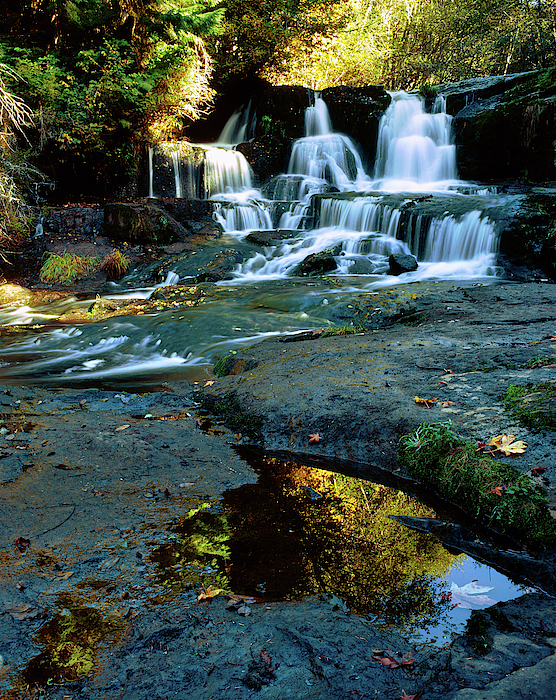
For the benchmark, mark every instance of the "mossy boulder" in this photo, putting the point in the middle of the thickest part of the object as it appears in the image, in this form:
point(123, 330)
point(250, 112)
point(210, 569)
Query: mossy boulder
point(141, 223)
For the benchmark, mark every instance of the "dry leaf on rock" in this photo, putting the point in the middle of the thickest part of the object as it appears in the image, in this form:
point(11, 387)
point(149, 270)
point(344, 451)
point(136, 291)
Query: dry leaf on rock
point(425, 402)
point(445, 404)
point(22, 544)
point(506, 445)
point(207, 594)
point(392, 660)
point(122, 427)
point(404, 696)
point(314, 437)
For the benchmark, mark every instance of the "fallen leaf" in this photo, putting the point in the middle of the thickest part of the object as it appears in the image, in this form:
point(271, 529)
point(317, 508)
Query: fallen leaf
point(506, 444)
point(65, 575)
point(445, 404)
point(538, 470)
point(109, 563)
point(498, 490)
point(207, 594)
point(236, 600)
point(425, 402)
point(392, 660)
point(447, 371)
point(122, 427)
point(209, 382)
point(314, 437)
point(22, 544)
point(404, 696)
point(22, 611)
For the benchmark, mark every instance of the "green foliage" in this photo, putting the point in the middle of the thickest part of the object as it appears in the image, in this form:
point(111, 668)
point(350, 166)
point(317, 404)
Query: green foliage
point(107, 73)
point(66, 268)
point(494, 492)
point(533, 405)
point(70, 641)
point(347, 329)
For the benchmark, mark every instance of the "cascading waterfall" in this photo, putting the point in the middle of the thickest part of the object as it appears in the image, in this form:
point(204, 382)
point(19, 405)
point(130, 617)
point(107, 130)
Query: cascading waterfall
point(414, 149)
point(355, 220)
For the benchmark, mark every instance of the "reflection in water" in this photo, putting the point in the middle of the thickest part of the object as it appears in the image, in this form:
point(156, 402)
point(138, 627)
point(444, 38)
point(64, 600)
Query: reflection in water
point(69, 642)
point(301, 531)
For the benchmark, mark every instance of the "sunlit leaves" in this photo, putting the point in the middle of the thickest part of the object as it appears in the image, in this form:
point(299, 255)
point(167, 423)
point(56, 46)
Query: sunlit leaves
point(507, 444)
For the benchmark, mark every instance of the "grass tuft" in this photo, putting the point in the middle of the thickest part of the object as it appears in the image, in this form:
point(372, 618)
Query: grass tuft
point(66, 268)
point(115, 264)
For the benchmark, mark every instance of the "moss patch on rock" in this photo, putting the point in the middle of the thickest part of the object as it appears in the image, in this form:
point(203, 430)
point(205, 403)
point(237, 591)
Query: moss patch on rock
point(492, 491)
point(229, 410)
point(533, 406)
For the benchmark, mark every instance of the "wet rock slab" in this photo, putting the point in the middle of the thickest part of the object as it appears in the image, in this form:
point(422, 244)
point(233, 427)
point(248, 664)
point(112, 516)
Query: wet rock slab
point(106, 472)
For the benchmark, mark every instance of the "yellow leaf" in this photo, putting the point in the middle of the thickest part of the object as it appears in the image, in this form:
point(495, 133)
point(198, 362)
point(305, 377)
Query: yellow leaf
point(122, 427)
point(207, 594)
point(506, 444)
point(425, 402)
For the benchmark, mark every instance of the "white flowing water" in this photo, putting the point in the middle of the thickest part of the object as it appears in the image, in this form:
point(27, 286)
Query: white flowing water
point(355, 217)
point(414, 150)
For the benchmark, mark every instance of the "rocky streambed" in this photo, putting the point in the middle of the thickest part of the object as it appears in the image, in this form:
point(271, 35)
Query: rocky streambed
point(95, 481)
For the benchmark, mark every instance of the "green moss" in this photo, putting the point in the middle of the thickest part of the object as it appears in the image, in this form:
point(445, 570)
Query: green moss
point(230, 411)
point(348, 329)
point(231, 364)
point(533, 405)
point(492, 491)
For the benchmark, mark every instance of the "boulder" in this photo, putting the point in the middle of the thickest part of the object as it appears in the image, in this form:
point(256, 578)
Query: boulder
point(505, 126)
point(399, 263)
point(316, 264)
point(141, 223)
point(269, 238)
point(356, 111)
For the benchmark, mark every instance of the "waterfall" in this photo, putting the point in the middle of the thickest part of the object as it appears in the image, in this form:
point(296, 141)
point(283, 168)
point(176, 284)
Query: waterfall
point(177, 174)
point(415, 152)
point(226, 171)
point(414, 149)
point(239, 127)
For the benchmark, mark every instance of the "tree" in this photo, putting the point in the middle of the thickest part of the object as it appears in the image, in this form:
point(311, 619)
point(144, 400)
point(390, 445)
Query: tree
point(104, 75)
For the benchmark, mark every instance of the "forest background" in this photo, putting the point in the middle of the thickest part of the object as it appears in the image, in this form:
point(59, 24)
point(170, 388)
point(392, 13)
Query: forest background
point(87, 82)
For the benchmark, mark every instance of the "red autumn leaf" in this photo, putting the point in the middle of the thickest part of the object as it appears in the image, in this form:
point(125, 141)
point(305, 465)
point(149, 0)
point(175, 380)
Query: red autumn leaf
point(267, 660)
point(392, 660)
point(22, 544)
point(404, 696)
point(498, 490)
point(314, 437)
point(538, 470)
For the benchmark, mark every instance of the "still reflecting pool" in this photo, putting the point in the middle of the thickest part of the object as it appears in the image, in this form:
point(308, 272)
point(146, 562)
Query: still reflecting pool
point(302, 531)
